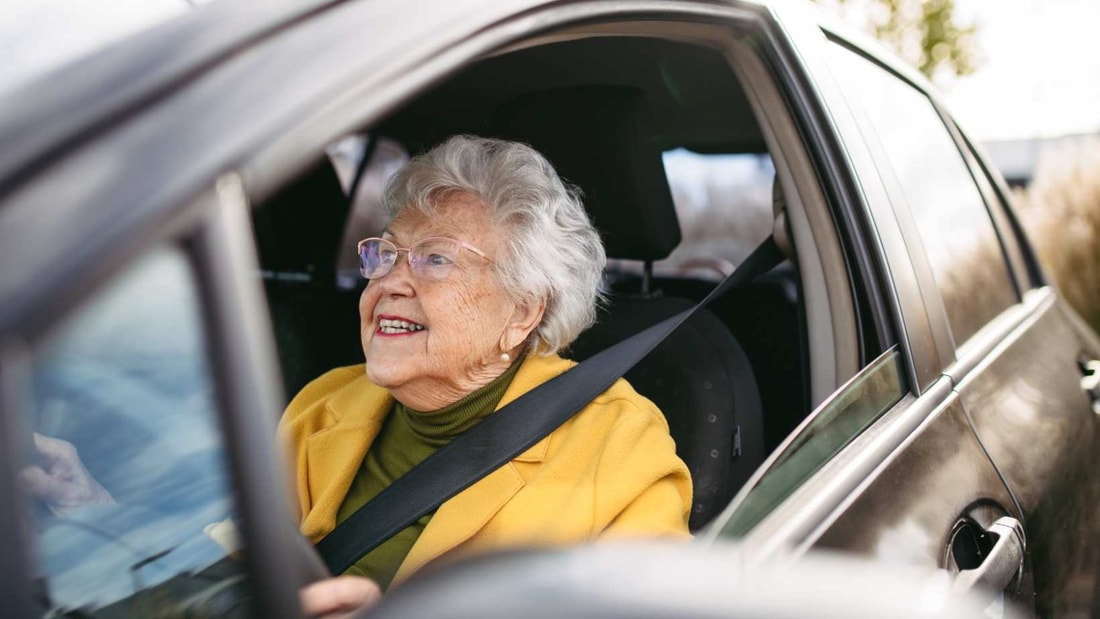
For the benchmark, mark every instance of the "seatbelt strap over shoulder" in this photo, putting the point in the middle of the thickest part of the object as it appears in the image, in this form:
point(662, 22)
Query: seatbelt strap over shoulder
point(509, 432)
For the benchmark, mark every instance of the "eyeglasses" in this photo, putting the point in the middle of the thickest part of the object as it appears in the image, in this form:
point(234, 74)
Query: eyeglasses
point(430, 258)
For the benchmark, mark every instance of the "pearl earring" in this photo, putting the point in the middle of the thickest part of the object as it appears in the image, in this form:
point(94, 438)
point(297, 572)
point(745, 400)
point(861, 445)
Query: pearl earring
point(505, 356)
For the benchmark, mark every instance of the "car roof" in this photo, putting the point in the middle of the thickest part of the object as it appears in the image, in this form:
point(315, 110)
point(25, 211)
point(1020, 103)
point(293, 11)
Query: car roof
point(61, 105)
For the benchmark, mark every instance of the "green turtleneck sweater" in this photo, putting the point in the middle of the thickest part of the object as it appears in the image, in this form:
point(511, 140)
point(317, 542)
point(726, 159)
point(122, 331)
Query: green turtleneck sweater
point(406, 438)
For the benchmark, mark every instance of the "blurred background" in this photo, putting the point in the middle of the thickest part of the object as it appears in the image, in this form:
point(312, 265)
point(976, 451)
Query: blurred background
point(1021, 76)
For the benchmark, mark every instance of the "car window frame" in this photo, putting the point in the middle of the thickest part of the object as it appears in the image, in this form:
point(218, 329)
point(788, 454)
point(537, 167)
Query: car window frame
point(296, 150)
point(862, 207)
point(823, 246)
point(15, 584)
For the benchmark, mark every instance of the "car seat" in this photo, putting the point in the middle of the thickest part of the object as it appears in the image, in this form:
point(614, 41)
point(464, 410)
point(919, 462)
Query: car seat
point(598, 138)
point(298, 233)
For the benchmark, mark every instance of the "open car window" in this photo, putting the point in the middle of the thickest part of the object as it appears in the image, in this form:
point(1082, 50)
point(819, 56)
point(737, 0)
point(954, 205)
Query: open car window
point(688, 115)
point(126, 382)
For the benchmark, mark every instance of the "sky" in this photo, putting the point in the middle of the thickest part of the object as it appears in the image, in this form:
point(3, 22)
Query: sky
point(1040, 70)
point(1038, 75)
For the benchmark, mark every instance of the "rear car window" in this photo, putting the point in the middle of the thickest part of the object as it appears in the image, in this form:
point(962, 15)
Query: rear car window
point(126, 382)
point(951, 217)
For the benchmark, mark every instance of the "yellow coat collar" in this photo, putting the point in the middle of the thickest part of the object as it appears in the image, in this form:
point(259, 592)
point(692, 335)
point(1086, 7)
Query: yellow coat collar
point(335, 453)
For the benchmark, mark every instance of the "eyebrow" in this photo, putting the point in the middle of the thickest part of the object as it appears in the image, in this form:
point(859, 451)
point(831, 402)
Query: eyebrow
point(387, 231)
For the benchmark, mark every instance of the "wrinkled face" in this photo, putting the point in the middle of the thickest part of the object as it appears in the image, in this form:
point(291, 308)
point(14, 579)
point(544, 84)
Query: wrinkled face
point(437, 336)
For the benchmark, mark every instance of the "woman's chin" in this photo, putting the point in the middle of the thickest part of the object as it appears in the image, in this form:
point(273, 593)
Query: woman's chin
point(381, 375)
point(390, 371)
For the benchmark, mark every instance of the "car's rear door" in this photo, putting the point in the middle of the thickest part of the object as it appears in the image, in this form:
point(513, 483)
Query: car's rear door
point(1028, 384)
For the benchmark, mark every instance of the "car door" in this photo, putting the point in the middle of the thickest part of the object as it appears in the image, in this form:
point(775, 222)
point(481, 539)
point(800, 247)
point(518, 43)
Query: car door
point(890, 465)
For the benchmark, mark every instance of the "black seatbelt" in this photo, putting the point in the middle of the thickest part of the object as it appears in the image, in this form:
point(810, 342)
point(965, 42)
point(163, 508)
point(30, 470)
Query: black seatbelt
point(509, 432)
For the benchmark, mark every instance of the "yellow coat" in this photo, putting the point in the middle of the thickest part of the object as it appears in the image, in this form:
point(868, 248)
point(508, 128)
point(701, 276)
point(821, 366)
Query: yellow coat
point(610, 471)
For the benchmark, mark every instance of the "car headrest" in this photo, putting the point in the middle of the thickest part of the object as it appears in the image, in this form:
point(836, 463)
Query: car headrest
point(599, 138)
point(298, 231)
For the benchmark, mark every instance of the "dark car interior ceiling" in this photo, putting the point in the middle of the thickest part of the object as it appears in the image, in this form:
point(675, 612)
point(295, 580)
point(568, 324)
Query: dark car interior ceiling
point(693, 97)
point(603, 110)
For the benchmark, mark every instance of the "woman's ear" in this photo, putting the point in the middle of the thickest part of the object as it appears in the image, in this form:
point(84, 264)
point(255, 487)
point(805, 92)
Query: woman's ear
point(523, 321)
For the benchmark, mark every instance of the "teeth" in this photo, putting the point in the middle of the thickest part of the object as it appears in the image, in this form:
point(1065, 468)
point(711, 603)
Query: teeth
point(389, 325)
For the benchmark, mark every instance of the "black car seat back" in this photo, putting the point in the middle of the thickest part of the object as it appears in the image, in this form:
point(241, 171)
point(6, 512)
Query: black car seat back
point(599, 138)
point(298, 234)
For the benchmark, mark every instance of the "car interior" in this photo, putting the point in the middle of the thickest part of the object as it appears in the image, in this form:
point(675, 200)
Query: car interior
point(678, 165)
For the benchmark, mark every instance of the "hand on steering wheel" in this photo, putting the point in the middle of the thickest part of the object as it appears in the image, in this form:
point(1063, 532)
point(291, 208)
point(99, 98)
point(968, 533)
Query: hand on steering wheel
point(340, 597)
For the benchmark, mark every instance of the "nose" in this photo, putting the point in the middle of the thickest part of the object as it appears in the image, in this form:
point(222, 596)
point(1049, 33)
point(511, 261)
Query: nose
point(400, 278)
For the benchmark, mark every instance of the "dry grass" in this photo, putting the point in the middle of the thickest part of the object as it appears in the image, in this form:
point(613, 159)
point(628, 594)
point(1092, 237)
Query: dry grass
point(1061, 212)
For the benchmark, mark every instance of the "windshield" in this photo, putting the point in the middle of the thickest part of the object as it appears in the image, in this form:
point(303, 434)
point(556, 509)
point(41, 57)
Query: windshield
point(130, 498)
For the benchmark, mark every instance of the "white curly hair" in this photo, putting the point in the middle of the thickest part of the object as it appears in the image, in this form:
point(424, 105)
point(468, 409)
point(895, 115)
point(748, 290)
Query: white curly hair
point(553, 252)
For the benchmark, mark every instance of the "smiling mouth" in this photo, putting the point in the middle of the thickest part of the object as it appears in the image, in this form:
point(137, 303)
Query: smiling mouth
point(397, 326)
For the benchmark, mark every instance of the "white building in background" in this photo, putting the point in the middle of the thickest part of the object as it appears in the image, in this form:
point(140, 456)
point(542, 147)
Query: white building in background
point(1018, 158)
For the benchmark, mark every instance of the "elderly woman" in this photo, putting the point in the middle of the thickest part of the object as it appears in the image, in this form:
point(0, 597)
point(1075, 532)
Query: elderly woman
point(488, 268)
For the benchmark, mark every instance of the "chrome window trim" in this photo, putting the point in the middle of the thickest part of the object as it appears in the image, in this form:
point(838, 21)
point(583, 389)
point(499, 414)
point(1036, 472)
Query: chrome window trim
point(1000, 333)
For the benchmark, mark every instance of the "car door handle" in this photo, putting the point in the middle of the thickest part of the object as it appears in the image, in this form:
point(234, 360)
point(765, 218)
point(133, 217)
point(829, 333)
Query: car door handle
point(1090, 380)
point(1002, 563)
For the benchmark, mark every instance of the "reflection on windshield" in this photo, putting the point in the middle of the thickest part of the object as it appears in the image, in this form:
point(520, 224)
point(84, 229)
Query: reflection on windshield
point(127, 383)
